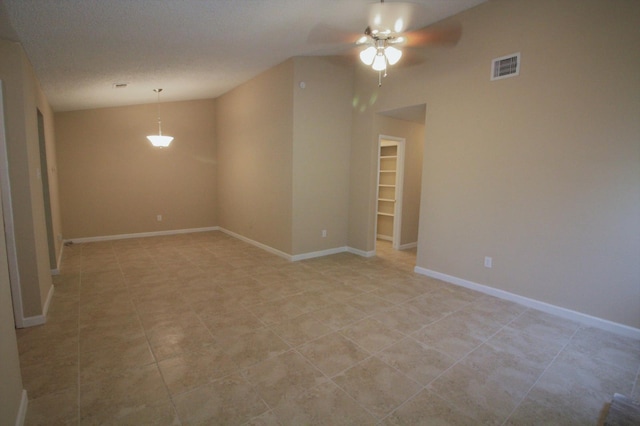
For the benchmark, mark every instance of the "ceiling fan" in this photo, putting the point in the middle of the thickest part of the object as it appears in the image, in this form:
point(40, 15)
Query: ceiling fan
point(391, 27)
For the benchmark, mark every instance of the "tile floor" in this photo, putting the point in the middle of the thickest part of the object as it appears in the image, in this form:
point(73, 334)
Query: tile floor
point(205, 329)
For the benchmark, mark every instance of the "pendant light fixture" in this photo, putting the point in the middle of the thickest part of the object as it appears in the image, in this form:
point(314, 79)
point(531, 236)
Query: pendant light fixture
point(159, 140)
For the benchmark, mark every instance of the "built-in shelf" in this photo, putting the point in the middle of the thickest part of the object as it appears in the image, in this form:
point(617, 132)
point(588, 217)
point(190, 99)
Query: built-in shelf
point(389, 200)
point(385, 214)
point(388, 156)
point(387, 171)
point(387, 186)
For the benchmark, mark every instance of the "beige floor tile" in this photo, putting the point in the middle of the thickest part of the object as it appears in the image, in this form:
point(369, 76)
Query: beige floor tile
point(338, 315)
point(420, 362)
point(394, 294)
point(104, 335)
point(333, 353)
point(128, 395)
point(576, 379)
point(541, 404)
point(403, 319)
point(428, 307)
point(325, 404)
point(427, 408)
point(171, 339)
point(267, 418)
point(608, 348)
point(253, 347)
point(60, 408)
point(283, 377)
point(190, 370)
point(300, 330)
point(475, 394)
point(209, 302)
point(368, 303)
point(531, 350)
point(377, 387)
point(128, 355)
point(51, 375)
point(544, 326)
point(451, 335)
point(223, 402)
point(371, 334)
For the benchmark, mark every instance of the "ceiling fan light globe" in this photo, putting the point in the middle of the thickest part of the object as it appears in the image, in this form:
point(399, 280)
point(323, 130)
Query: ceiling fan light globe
point(160, 140)
point(379, 63)
point(393, 54)
point(368, 55)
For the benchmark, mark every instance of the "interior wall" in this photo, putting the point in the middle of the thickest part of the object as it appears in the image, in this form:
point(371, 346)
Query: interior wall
point(255, 145)
point(23, 97)
point(11, 382)
point(114, 182)
point(413, 133)
point(52, 164)
point(538, 171)
point(321, 149)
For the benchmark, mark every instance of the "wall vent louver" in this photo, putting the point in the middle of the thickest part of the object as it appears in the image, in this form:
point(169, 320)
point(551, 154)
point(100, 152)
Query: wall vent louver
point(505, 66)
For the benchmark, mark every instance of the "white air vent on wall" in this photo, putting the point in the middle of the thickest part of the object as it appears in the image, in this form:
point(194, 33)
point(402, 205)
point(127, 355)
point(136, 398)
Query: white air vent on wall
point(506, 66)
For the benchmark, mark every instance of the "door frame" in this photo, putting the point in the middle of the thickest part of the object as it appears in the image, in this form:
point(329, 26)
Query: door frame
point(397, 210)
point(7, 209)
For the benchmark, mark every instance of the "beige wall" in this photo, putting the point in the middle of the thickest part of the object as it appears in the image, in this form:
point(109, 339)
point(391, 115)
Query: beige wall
point(10, 379)
point(255, 137)
point(112, 181)
point(23, 97)
point(413, 133)
point(321, 147)
point(541, 171)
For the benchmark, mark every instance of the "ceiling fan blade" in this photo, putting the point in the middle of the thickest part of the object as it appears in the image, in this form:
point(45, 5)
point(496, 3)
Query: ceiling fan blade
point(439, 35)
point(393, 17)
point(328, 34)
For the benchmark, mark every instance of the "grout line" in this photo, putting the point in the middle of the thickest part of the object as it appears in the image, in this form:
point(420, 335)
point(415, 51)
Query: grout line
point(541, 374)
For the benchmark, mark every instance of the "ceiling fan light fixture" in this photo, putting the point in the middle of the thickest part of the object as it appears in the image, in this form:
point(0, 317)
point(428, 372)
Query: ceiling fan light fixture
point(379, 62)
point(368, 55)
point(393, 54)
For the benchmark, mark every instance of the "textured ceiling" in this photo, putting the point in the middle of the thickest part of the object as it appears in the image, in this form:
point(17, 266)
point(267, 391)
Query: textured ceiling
point(193, 49)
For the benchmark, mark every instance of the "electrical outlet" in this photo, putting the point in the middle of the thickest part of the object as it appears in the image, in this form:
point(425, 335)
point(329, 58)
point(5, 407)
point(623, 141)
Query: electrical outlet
point(159, 218)
point(324, 233)
point(488, 262)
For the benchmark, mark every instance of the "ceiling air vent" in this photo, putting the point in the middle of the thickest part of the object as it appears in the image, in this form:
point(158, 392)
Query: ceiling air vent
point(506, 66)
point(119, 85)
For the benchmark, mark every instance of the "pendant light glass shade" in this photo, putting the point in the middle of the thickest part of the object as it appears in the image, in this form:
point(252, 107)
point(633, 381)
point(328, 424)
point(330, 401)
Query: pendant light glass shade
point(393, 54)
point(159, 140)
point(380, 62)
point(368, 55)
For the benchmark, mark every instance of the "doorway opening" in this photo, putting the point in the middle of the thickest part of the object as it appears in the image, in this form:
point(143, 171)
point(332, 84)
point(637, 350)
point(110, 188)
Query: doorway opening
point(390, 182)
point(397, 211)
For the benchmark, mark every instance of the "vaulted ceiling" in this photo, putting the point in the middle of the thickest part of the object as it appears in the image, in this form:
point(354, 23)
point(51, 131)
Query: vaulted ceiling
point(193, 49)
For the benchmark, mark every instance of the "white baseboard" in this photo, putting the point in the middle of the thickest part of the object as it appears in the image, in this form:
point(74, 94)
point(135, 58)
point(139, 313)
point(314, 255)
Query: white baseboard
point(384, 237)
point(58, 261)
point(33, 321)
point(408, 246)
point(140, 235)
point(45, 308)
point(361, 252)
point(297, 257)
point(614, 327)
point(22, 410)
point(320, 253)
point(258, 244)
